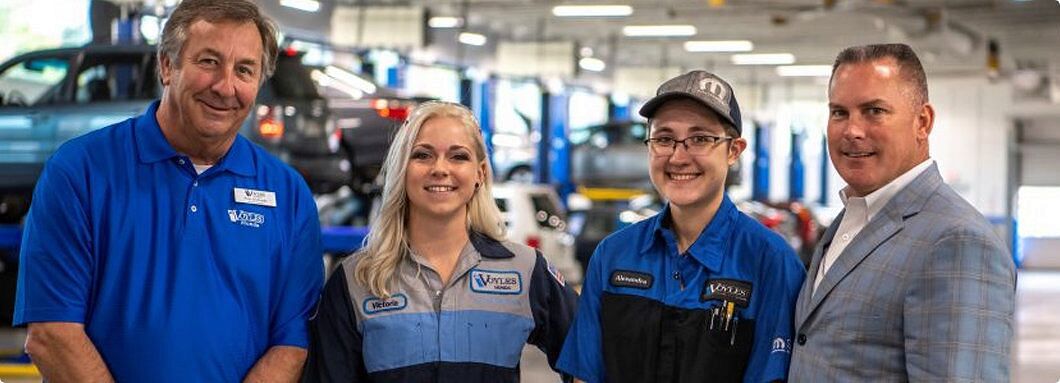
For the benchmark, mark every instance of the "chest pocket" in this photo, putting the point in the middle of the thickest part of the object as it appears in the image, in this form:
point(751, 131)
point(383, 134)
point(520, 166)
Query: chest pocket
point(251, 232)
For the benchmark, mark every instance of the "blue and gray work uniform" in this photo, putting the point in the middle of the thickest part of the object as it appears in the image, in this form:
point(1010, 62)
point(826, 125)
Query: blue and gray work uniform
point(721, 311)
point(500, 296)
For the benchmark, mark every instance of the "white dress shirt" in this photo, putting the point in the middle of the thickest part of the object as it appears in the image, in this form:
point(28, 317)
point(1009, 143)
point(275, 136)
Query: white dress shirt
point(859, 211)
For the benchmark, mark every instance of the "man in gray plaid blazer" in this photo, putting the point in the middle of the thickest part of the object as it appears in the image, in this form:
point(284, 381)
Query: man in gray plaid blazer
point(909, 283)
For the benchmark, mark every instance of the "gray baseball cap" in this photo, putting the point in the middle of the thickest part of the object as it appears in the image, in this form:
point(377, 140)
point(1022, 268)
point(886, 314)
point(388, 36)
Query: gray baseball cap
point(701, 86)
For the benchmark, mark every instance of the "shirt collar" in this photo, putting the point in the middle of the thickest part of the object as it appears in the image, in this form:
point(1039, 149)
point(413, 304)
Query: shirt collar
point(708, 249)
point(876, 200)
point(152, 146)
point(489, 247)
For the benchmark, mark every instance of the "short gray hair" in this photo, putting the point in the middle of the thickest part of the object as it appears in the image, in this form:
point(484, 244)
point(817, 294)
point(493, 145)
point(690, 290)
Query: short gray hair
point(909, 66)
point(188, 12)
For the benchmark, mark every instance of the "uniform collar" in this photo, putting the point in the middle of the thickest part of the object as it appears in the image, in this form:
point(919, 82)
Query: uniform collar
point(489, 247)
point(152, 146)
point(709, 248)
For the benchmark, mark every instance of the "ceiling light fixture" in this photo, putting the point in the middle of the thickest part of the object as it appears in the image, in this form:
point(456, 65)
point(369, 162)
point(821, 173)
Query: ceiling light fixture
point(592, 64)
point(763, 59)
point(472, 39)
point(302, 5)
point(658, 30)
point(445, 22)
point(592, 10)
point(804, 70)
point(719, 46)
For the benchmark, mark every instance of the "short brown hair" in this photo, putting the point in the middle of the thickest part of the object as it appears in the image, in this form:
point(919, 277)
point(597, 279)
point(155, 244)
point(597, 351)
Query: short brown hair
point(909, 66)
point(188, 12)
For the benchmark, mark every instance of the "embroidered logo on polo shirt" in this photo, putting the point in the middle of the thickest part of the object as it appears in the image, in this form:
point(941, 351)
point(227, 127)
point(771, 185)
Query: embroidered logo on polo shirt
point(255, 197)
point(623, 278)
point(378, 305)
point(496, 282)
point(732, 290)
point(246, 218)
point(781, 345)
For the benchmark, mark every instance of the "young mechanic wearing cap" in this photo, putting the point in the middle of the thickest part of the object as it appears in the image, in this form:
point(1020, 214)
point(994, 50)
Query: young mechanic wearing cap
point(700, 291)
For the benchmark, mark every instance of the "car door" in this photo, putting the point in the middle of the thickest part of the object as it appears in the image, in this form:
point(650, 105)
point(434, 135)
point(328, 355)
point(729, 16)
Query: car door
point(109, 87)
point(32, 88)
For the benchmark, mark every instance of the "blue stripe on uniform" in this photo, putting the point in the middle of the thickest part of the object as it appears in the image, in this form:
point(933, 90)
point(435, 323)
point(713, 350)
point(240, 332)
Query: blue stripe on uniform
point(403, 340)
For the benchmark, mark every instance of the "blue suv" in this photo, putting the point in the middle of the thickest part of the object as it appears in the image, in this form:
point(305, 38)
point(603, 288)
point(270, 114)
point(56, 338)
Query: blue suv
point(48, 97)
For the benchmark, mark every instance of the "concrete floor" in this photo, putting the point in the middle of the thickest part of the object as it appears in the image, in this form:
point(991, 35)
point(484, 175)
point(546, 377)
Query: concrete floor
point(1036, 350)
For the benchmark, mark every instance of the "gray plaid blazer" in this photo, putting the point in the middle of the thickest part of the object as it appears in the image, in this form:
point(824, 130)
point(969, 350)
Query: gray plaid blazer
point(924, 293)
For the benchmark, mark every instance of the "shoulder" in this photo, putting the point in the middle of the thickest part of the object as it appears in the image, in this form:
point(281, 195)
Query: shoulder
point(753, 235)
point(112, 142)
point(955, 219)
point(631, 237)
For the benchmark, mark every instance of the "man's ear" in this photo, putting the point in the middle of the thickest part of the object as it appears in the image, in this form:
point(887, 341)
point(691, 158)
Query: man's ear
point(736, 147)
point(925, 121)
point(165, 70)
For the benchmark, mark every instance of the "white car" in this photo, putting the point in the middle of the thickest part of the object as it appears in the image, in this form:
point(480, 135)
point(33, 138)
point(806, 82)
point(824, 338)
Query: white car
point(535, 217)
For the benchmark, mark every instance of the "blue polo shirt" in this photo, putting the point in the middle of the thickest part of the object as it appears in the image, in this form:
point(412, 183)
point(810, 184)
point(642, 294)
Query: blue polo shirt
point(177, 276)
point(648, 313)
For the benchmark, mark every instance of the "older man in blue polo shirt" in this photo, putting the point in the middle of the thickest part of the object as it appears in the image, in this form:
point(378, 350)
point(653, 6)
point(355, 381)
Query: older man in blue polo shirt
point(167, 248)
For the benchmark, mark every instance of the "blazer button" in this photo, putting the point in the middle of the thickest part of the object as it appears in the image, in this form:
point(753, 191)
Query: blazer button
point(801, 339)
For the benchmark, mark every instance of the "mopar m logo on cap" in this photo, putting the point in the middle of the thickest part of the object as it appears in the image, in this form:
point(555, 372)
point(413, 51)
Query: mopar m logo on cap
point(731, 290)
point(714, 88)
point(496, 282)
point(378, 305)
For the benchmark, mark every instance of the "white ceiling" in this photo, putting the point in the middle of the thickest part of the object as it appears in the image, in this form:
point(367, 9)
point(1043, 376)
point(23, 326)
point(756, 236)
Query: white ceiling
point(950, 35)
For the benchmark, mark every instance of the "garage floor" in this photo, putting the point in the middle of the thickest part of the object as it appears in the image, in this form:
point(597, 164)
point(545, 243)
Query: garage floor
point(1036, 352)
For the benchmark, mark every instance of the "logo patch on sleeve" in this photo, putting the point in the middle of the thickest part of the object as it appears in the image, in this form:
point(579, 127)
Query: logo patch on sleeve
point(555, 273)
point(496, 282)
point(378, 305)
point(781, 345)
point(732, 290)
point(623, 278)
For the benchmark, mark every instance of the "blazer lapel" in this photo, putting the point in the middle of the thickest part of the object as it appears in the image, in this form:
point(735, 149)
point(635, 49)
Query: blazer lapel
point(802, 305)
point(888, 222)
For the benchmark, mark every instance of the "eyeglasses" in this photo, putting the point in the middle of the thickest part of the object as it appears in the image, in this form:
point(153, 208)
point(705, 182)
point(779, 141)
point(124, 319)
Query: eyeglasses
point(694, 145)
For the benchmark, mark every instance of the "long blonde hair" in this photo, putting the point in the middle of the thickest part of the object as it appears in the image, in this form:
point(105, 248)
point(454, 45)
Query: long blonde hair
point(387, 242)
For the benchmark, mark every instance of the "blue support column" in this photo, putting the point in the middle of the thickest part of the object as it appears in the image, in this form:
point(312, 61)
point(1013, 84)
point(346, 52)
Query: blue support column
point(482, 106)
point(559, 145)
point(395, 75)
point(760, 171)
point(825, 171)
point(616, 111)
point(796, 170)
point(542, 165)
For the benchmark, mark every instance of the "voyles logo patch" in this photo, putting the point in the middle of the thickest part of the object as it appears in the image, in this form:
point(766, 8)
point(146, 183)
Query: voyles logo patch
point(378, 305)
point(496, 282)
point(246, 218)
point(732, 290)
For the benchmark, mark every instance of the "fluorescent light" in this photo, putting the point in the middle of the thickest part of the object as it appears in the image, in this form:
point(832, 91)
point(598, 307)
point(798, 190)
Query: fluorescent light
point(719, 46)
point(350, 78)
point(592, 64)
point(763, 59)
point(472, 39)
point(805, 70)
point(445, 22)
point(302, 5)
point(592, 10)
point(658, 30)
